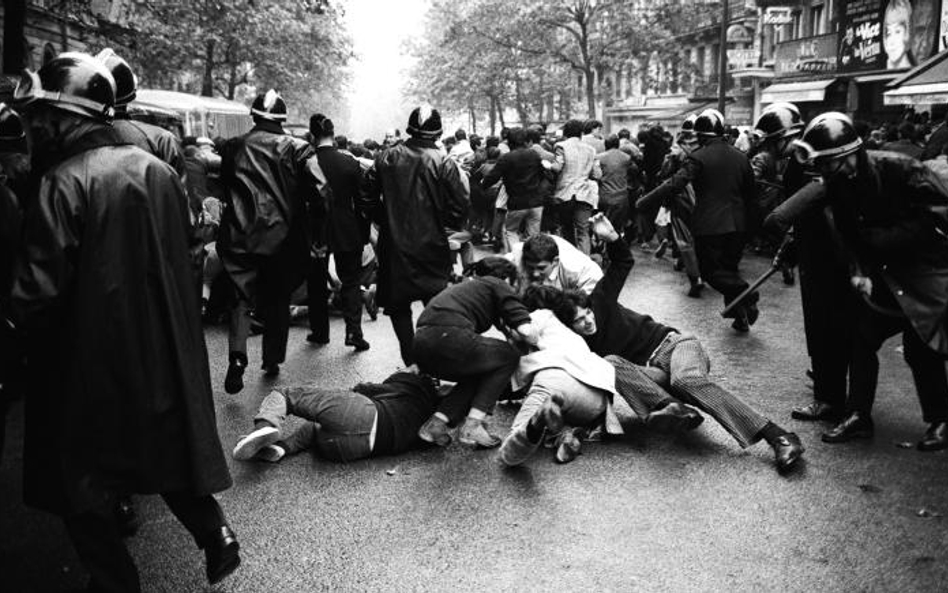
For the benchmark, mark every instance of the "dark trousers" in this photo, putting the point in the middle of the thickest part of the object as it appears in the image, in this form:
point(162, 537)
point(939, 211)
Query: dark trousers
point(574, 223)
point(349, 270)
point(481, 366)
point(928, 366)
point(273, 289)
point(404, 329)
point(718, 259)
point(96, 538)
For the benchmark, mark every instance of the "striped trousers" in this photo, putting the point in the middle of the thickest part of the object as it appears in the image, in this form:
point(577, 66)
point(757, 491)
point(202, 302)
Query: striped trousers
point(686, 363)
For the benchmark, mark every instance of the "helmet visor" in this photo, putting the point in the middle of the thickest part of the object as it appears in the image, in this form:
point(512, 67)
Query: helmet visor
point(25, 91)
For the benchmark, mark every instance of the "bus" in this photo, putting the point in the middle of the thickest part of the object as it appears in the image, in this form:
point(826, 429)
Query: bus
point(191, 115)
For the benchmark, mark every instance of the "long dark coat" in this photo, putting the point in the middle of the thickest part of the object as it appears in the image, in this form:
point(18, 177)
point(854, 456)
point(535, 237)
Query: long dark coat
point(893, 218)
point(272, 187)
point(414, 193)
point(121, 392)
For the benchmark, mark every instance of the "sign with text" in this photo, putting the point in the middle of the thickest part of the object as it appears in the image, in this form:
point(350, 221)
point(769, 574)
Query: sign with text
point(887, 34)
point(805, 56)
point(778, 15)
point(742, 58)
point(943, 38)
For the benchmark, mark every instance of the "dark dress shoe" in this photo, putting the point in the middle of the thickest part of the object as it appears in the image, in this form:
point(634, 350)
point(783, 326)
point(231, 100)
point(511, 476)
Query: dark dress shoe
point(314, 339)
point(936, 437)
point(854, 426)
point(788, 450)
point(816, 411)
point(126, 517)
point(271, 370)
point(221, 554)
point(753, 313)
point(740, 322)
point(234, 381)
point(358, 341)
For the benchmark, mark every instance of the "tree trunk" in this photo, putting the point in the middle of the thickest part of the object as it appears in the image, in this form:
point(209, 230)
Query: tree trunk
point(14, 46)
point(472, 114)
point(500, 112)
point(590, 92)
point(232, 82)
point(493, 116)
point(207, 85)
point(521, 107)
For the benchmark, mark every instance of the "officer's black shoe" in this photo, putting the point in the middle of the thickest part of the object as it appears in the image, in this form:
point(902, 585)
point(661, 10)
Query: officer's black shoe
point(854, 426)
point(816, 411)
point(753, 313)
point(936, 437)
point(315, 339)
point(234, 381)
point(125, 516)
point(358, 341)
point(696, 287)
point(271, 370)
point(222, 555)
point(741, 323)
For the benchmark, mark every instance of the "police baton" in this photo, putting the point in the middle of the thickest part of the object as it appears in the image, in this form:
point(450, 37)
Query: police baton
point(774, 266)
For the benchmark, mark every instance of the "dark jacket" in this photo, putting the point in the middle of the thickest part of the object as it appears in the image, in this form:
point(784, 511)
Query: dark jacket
point(347, 230)
point(476, 305)
point(620, 330)
point(524, 179)
point(120, 396)
point(414, 193)
point(724, 189)
point(154, 140)
point(618, 173)
point(892, 217)
point(269, 177)
point(936, 143)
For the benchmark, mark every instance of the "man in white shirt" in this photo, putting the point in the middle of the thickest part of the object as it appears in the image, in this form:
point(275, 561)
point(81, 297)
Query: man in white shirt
point(552, 261)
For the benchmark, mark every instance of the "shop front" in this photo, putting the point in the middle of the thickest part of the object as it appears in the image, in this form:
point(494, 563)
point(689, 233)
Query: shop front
point(805, 74)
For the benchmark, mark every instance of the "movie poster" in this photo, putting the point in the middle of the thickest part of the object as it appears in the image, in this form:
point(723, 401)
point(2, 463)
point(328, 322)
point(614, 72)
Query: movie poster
point(886, 34)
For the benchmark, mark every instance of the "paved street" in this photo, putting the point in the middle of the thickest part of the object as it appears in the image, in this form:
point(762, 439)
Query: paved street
point(647, 513)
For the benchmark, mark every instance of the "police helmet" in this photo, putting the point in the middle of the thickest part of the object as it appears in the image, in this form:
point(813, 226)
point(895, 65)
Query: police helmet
point(126, 83)
point(779, 121)
point(269, 106)
point(710, 123)
point(829, 136)
point(73, 82)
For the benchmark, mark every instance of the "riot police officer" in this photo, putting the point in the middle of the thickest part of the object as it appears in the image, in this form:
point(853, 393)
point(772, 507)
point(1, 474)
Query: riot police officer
point(123, 401)
point(890, 211)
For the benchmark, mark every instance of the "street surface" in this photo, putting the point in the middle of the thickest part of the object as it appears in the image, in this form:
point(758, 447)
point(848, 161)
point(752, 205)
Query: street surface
point(646, 513)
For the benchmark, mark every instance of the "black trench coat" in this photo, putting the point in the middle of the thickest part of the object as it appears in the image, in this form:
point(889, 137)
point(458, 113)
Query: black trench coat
point(414, 193)
point(120, 396)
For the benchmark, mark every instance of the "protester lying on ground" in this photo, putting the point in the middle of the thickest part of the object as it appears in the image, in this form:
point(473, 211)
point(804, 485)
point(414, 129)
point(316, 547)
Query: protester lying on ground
point(370, 420)
point(449, 345)
point(612, 329)
point(553, 261)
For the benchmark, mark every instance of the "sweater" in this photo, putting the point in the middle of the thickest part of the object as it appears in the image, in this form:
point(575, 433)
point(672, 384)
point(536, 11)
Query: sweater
point(476, 305)
point(620, 330)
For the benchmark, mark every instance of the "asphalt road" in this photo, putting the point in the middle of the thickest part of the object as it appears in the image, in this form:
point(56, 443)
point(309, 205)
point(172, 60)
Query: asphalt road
point(646, 513)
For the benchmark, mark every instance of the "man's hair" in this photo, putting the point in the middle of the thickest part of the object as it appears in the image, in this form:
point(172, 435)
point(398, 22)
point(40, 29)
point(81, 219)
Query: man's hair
point(537, 296)
point(540, 247)
point(573, 129)
point(460, 134)
point(450, 141)
point(625, 133)
point(590, 125)
point(371, 144)
point(907, 131)
point(642, 136)
point(504, 132)
point(492, 141)
point(321, 126)
point(612, 141)
point(534, 134)
point(517, 138)
point(493, 153)
point(475, 141)
point(497, 267)
point(342, 142)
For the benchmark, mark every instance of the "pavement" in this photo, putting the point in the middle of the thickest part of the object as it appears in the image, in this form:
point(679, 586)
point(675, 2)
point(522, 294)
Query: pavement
point(645, 513)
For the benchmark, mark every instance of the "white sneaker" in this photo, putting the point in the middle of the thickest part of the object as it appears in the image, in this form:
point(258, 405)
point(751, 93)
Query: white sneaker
point(270, 453)
point(249, 445)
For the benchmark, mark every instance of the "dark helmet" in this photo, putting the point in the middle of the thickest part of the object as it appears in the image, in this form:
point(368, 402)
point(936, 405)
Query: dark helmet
point(11, 126)
point(126, 83)
point(779, 121)
point(73, 82)
point(830, 135)
point(269, 106)
point(425, 122)
point(710, 123)
point(688, 125)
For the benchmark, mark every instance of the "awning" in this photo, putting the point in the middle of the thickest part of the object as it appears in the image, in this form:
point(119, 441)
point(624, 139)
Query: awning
point(880, 77)
point(675, 118)
point(924, 84)
point(797, 92)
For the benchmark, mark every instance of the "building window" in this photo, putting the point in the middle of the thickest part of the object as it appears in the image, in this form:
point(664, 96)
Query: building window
point(699, 62)
point(817, 20)
point(796, 27)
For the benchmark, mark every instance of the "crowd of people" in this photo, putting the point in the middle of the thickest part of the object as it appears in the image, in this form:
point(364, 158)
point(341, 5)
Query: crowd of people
point(117, 238)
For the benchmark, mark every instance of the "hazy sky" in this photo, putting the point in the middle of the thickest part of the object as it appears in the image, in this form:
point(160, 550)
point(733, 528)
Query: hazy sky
point(378, 28)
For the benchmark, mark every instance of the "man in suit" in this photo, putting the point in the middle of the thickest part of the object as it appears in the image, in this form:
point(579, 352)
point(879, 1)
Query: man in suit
point(723, 183)
point(575, 197)
point(617, 170)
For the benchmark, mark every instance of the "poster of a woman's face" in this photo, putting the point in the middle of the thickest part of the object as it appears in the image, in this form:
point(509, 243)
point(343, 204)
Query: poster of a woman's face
point(897, 34)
